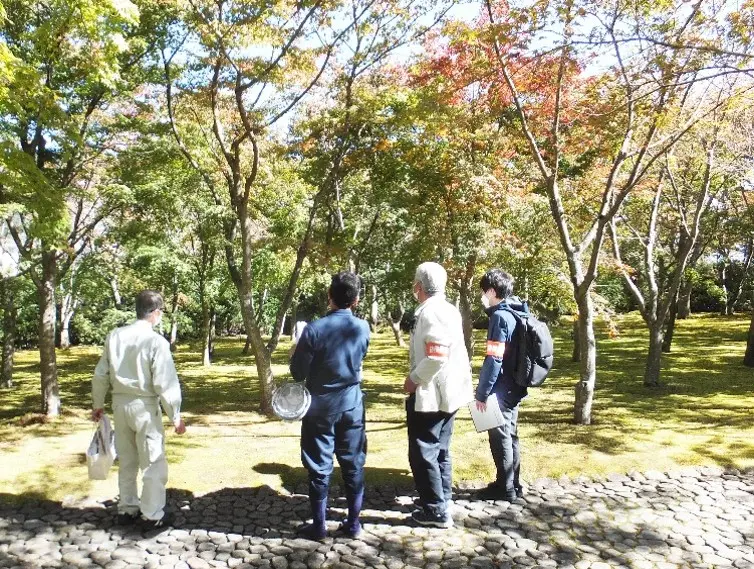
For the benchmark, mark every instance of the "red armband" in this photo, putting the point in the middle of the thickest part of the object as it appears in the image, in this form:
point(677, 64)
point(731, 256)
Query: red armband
point(432, 349)
point(495, 349)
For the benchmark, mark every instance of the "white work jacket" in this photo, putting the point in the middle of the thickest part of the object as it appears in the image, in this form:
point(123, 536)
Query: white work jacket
point(137, 364)
point(440, 365)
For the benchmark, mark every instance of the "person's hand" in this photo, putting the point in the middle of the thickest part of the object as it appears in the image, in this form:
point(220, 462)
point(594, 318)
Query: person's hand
point(180, 428)
point(481, 406)
point(409, 386)
point(97, 414)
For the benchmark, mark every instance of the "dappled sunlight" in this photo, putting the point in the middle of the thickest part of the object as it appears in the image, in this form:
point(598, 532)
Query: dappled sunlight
point(700, 415)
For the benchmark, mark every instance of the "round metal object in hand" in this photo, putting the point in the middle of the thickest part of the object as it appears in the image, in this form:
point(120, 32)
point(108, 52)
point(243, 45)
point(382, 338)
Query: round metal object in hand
point(291, 401)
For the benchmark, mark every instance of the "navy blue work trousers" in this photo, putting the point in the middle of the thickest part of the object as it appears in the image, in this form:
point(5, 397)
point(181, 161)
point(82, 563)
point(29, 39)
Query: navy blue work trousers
point(429, 456)
point(342, 434)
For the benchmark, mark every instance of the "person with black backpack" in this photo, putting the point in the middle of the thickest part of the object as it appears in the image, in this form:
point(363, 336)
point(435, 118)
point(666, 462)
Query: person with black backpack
point(497, 378)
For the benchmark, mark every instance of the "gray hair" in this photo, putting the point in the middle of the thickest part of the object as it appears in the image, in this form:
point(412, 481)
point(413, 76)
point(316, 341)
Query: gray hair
point(432, 278)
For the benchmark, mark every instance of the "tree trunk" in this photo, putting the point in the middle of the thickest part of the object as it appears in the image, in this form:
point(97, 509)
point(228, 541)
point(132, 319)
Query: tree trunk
point(467, 321)
point(212, 333)
point(116, 292)
point(396, 326)
point(667, 342)
point(9, 332)
point(253, 333)
point(749, 356)
point(48, 363)
point(724, 286)
point(247, 345)
point(576, 353)
point(67, 310)
point(374, 309)
point(174, 317)
point(654, 357)
point(206, 335)
point(294, 318)
point(684, 300)
point(588, 361)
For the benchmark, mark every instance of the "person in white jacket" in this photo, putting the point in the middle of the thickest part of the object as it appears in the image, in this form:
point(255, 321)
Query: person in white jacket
point(137, 365)
point(438, 384)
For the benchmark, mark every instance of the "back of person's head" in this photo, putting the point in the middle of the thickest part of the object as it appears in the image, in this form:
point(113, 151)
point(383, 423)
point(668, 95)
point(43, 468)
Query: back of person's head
point(498, 280)
point(147, 301)
point(344, 289)
point(432, 277)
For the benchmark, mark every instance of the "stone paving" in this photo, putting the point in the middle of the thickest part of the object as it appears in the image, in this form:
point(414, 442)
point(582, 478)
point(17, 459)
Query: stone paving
point(691, 518)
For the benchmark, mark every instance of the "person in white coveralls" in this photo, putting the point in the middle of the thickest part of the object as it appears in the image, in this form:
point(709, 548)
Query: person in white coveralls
point(137, 365)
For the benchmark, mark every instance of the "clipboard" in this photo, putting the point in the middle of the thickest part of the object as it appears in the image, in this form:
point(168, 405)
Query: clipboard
point(491, 418)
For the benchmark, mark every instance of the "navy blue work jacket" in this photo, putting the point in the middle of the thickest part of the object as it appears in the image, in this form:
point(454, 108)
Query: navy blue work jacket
point(328, 358)
point(496, 375)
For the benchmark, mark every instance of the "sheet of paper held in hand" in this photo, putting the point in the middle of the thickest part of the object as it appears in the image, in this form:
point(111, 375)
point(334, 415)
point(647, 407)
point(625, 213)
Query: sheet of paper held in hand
point(488, 419)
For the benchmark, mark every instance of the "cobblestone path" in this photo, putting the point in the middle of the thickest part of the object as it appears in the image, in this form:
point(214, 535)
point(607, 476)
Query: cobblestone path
point(691, 518)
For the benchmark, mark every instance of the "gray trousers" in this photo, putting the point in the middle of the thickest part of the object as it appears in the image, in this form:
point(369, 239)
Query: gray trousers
point(505, 450)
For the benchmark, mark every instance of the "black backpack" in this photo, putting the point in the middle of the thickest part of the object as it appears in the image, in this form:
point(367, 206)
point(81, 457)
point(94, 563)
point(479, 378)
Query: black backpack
point(533, 347)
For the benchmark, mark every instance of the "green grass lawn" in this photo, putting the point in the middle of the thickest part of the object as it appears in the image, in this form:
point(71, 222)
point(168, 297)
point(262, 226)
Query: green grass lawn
point(702, 415)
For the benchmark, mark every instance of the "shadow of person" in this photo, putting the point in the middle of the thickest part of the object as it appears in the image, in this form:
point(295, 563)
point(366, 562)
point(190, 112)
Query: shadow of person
point(383, 486)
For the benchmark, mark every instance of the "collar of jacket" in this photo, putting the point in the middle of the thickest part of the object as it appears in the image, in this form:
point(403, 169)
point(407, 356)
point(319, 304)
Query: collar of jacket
point(431, 300)
point(512, 303)
point(339, 311)
point(492, 309)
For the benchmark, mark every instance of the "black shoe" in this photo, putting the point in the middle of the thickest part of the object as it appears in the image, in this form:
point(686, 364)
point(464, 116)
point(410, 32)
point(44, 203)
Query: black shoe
point(425, 519)
point(520, 492)
point(127, 519)
point(345, 529)
point(312, 532)
point(166, 521)
point(495, 492)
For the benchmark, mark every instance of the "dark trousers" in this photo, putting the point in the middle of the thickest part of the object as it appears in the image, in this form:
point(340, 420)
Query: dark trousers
point(343, 434)
point(429, 456)
point(505, 450)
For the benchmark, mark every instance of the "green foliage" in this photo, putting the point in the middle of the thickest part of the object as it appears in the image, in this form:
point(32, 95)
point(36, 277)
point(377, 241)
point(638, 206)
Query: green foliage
point(92, 329)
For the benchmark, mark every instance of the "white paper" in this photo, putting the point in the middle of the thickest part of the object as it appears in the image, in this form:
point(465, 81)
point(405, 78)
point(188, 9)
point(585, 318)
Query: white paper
point(488, 419)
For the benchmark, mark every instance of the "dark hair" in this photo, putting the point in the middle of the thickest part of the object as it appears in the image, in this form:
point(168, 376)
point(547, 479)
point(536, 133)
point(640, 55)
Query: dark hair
point(147, 301)
point(498, 279)
point(344, 289)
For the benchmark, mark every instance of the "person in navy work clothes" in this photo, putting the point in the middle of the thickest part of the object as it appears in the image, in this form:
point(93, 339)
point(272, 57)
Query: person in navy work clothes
point(496, 378)
point(328, 358)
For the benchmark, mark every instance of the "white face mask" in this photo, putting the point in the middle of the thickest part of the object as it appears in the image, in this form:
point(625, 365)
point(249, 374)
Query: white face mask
point(416, 295)
point(485, 300)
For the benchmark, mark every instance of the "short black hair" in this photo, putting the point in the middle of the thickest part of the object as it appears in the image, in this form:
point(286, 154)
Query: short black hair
point(344, 289)
point(147, 301)
point(498, 279)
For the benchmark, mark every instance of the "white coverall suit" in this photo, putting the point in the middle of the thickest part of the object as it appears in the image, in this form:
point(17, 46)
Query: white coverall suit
point(137, 364)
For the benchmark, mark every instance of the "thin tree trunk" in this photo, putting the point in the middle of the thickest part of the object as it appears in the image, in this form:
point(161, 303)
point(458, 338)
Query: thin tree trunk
point(253, 333)
point(576, 353)
point(116, 291)
point(47, 316)
point(294, 317)
point(749, 356)
point(667, 342)
point(9, 332)
point(724, 286)
point(654, 357)
point(67, 310)
point(467, 321)
point(588, 361)
point(206, 335)
point(174, 317)
point(374, 309)
point(684, 300)
point(396, 325)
